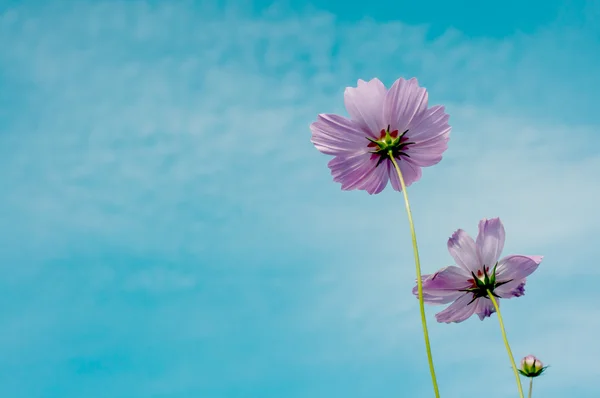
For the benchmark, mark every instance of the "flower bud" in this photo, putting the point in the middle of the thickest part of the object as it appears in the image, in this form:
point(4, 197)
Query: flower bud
point(531, 366)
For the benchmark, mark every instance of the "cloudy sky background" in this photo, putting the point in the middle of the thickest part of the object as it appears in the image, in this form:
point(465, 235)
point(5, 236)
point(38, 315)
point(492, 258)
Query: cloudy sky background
point(168, 230)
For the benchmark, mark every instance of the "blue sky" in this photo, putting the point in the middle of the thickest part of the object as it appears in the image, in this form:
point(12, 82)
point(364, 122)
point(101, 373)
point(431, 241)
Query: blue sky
point(168, 230)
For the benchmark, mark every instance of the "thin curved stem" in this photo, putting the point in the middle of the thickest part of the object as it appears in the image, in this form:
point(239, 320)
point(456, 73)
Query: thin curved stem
point(530, 386)
point(419, 281)
point(510, 355)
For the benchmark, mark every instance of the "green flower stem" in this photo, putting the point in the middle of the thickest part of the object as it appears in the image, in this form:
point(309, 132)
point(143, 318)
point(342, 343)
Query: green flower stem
point(530, 386)
point(419, 281)
point(510, 355)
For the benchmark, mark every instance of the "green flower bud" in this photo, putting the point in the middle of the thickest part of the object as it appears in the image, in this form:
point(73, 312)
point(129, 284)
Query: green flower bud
point(531, 366)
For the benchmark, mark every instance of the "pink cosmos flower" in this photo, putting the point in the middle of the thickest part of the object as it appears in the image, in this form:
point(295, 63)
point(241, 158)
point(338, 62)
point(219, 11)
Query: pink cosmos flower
point(383, 123)
point(478, 270)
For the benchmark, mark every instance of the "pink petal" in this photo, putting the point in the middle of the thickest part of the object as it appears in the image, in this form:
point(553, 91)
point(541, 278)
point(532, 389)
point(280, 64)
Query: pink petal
point(410, 173)
point(485, 307)
point(358, 172)
point(443, 286)
point(462, 248)
point(431, 125)
point(430, 137)
point(490, 241)
point(458, 311)
point(516, 267)
point(404, 102)
point(365, 105)
point(516, 288)
point(336, 135)
point(378, 181)
point(426, 156)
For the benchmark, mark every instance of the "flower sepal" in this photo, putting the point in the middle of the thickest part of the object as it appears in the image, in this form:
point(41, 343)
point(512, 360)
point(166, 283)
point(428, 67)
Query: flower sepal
point(531, 367)
point(481, 286)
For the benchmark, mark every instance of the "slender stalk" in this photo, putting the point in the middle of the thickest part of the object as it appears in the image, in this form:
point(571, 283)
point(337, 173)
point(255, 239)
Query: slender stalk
point(530, 386)
point(419, 281)
point(510, 355)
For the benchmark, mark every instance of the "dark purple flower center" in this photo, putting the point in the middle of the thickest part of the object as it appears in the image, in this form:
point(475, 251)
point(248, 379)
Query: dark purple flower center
point(390, 144)
point(482, 283)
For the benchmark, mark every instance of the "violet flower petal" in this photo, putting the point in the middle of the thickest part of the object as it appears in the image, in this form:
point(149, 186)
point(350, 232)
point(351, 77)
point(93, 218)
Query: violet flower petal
point(431, 126)
point(485, 308)
point(430, 137)
point(443, 286)
point(365, 105)
point(515, 288)
point(377, 182)
point(458, 311)
point(337, 135)
point(462, 248)
point(410, 173)
point(404, 102)
point(358, 172)
point(490, 241)
point(517, 267)
point(427, 154)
